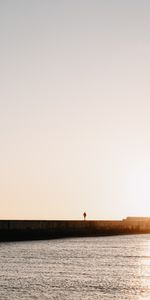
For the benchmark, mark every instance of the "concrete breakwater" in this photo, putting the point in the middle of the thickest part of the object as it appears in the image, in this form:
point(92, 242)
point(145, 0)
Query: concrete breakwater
point(44, 229)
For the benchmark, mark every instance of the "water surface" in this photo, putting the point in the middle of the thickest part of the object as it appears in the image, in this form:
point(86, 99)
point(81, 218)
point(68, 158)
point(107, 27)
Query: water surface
point(81, 268)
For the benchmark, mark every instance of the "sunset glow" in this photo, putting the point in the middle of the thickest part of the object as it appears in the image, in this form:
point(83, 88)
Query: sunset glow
point(74, 109)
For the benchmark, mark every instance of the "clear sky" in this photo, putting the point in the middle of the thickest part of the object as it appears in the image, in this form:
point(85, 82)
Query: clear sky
point(74, 109)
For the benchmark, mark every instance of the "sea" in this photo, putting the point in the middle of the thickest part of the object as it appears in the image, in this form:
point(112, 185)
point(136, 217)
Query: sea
point(111, 267)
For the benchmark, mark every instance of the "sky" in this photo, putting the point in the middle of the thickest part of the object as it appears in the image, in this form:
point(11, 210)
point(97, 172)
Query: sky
point(74, 109)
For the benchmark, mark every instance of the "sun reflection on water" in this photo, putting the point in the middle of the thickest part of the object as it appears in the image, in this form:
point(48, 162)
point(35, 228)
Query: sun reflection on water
point(144, 267)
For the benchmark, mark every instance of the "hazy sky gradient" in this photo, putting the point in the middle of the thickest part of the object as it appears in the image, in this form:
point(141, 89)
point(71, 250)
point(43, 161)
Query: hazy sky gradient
point(74, 108)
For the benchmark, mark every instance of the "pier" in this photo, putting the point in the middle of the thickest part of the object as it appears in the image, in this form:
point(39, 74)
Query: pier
point(49, 229)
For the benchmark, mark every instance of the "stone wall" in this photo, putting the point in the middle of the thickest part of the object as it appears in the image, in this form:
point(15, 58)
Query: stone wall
point(25, 230)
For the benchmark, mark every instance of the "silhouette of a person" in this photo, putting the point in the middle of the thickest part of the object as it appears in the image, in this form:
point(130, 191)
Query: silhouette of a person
point(84, 215)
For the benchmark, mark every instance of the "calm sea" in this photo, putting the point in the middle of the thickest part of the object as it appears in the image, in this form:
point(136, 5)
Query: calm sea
point(81, 268)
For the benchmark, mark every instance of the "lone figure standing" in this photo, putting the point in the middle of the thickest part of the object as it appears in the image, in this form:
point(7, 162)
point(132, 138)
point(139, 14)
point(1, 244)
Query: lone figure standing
point(84, 215)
